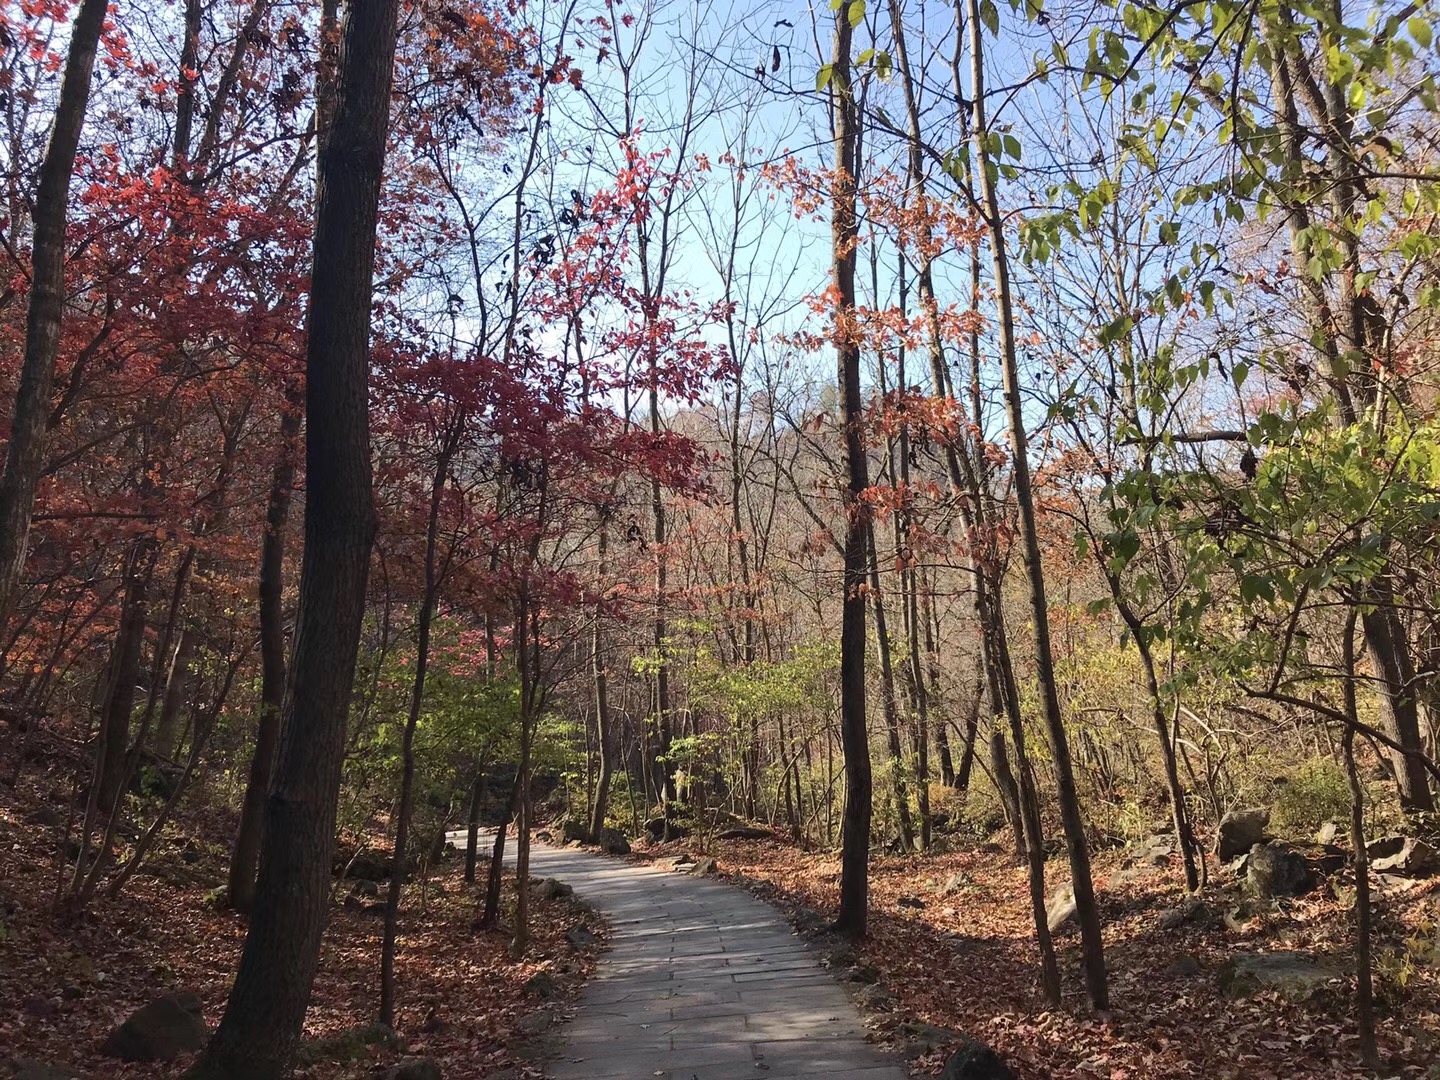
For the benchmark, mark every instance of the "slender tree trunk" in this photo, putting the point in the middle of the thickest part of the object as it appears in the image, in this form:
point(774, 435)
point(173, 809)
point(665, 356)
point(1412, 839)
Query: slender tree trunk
point(604, 736)
point(472, 824)
point(177, 693)
point(854, 732)
point(260, 1030)
point(887, 702)
point(1092, 945)
point(245, 855)
point(400, 855)
point(114, 747)
point(25, 453)
point(1364, 988)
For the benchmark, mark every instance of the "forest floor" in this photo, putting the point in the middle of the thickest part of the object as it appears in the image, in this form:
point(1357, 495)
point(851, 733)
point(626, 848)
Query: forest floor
point(957, 951)
point(65, 983)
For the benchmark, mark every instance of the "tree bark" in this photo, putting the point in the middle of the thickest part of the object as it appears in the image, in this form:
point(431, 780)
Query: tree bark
point(245, 856)
point(603, 734)
point(854, 732)
point(25, 453)
point(1092, 946)
point(260, 1030)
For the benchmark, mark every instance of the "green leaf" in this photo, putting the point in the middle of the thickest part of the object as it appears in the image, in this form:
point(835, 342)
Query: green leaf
point(990, 16)
point(856, 12)
point(823, 76)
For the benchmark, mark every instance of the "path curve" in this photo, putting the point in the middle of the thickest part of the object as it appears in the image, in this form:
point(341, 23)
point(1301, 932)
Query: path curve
point(702, 982)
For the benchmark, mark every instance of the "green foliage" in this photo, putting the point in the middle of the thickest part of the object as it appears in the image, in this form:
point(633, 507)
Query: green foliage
point(1318, 792)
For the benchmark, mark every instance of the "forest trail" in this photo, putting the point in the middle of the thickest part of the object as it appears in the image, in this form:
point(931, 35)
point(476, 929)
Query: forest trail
point(702, 982)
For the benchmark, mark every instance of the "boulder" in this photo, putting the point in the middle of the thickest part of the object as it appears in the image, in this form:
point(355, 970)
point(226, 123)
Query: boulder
point(860, 972)
point(1191, 909)
point(745, 832)
point(1156, 850)
point(703, 867)
point(1277, 869)
point(1241, 830)
point(1183, 966)
point(413, 1068)
point(657, 828)
point(953, 884)
point(541, 985)
point(1327, 833)
point(25, 1069)
point(1294, 976)
point(1403, 856)
point(551, 889)
point(580, 937)
point(537, 1023)
point(975, 1061)
point(922, 1038)
point(573, 831)
point(1062, 907)
point(164, 1029)
point(368, 867)
point(613, 842)
point(366, 888)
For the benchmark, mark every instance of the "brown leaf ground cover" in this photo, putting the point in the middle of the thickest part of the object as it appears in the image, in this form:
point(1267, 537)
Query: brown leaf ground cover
point(65, 982)
point(966, 960)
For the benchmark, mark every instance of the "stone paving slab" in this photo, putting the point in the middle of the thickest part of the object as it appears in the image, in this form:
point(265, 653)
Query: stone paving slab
point(702, 982)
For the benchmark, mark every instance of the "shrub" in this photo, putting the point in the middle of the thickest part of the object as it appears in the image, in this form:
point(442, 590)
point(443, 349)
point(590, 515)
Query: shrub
point(1317, 793)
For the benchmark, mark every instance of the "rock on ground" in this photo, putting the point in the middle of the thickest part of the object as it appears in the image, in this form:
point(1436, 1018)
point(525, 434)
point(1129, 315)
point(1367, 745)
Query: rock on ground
point(1292, 975)
point(164, 1029)
point(1241, 830)
point(1402, 855)
point(1062, 907)
point(1277, 869)
point(976, 1061)
point(413, 1068)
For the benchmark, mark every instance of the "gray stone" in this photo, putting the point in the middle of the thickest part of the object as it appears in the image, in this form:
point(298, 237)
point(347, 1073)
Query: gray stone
point(1294, 976)
point(1183, 966)
point(365, 887)
point(1061, 908)
point(580, 937)
point(574, 832)
point(976, 1061)
point(537, 1023)
point(25, 1069)
point(164, 1029)
point(550, 889)
point(953, 884)
point(1277, 869)
point(1241, 830)
point(413, 1068)
point(1403, 856)
point(1327, 833)
point(745, 832)
point(613, 842)
point(860, 972)
point(703, 867)
point(1191, 909)
point(541, 985)
point(876, 997)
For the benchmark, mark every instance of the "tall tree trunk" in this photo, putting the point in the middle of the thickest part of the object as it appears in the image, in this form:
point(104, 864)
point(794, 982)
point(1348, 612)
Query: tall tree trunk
point(124, 673)
point(854, 732)
point(400, 854)
point(887, 702)
point(472, 823)
point(604, 736)
point(1364, 988)
point(260, 1030)
point(245, 855)
point(25, 453)
point(178, 681)
point(1092, 945)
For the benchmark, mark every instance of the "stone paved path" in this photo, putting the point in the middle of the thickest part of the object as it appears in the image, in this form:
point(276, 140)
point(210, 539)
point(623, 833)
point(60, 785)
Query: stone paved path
point(702, 982)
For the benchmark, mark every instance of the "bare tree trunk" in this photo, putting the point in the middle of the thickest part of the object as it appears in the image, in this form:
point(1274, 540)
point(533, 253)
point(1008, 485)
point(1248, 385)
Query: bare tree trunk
point(472, 823)
point(25, 453)
point(1364, 988)
point(887, 701)
point(400, 854)
point(604, 736)
point(245, 855)
point(260, 1030)
point(1092, 945)
point(854, 732)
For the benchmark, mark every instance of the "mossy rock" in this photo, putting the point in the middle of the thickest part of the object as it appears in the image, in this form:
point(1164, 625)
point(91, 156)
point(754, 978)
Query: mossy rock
point(350, 1045)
